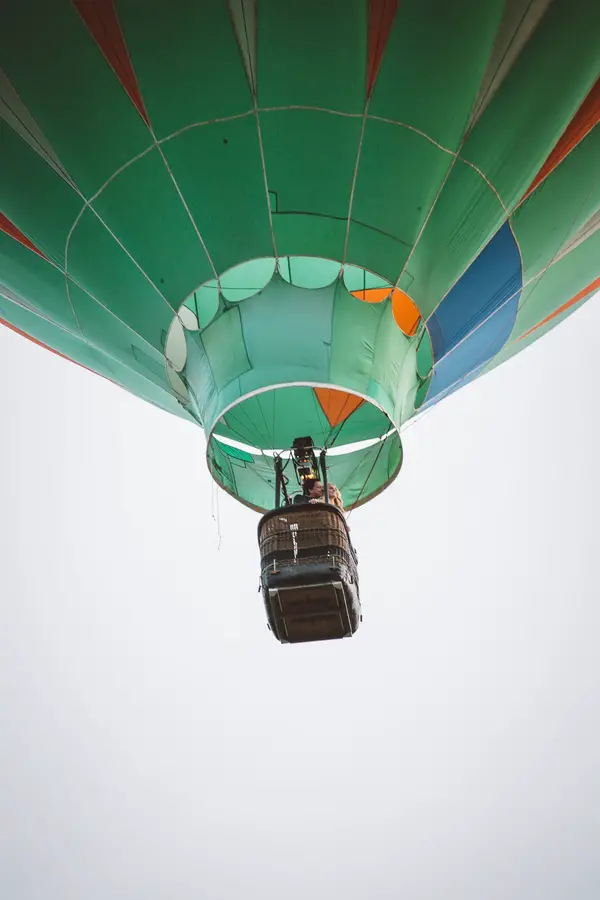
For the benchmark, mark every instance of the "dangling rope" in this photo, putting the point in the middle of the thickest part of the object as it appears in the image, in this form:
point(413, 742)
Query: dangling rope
point(216, 513)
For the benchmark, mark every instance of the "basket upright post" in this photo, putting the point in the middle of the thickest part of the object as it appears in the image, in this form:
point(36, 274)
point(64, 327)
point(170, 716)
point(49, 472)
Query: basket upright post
point(280, 483)
point(324, 474)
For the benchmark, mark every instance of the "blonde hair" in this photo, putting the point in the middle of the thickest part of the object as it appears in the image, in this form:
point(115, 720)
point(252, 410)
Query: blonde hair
point(335, 496)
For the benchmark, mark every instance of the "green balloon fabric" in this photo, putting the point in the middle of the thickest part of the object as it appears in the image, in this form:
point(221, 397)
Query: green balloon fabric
point(277, 219)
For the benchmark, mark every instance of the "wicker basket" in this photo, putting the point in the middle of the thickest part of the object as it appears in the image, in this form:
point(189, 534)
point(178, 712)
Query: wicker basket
point(309, 577)
point(298, 533)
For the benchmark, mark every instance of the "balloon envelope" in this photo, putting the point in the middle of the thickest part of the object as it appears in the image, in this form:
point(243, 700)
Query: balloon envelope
point(279, 219)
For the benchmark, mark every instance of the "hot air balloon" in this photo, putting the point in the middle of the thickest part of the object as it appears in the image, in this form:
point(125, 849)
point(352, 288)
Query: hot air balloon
point(280, 219)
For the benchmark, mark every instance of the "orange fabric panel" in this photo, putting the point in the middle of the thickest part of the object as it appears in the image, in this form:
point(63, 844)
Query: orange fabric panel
point(593, 286)
point(337, 405)
point(405, 312)
point(101, 20)
point(381, 19)
point(7, 226)
point(51, 349)
point(372, 295)
point(586, 117)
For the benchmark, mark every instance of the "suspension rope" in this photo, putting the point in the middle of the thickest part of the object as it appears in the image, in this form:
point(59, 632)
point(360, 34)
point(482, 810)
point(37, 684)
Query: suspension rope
point(366, 479)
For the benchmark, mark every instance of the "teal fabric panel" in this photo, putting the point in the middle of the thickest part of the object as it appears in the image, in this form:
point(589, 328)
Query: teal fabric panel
point(223, 342)
point(285, 323)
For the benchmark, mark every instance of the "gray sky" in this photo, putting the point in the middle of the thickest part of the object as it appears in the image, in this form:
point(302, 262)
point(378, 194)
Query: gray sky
point(157, 743)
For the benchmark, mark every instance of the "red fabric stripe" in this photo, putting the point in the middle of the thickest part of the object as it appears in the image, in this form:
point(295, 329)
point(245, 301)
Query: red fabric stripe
point(101, 20)
point(381, 19)
point(7, 226)
point(593, 286)
point(586, 117)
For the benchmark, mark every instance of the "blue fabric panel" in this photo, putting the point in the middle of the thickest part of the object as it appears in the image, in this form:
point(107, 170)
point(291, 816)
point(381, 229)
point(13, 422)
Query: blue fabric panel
point(487, 284)
point(437, 392)
point(462, 364)
point(436, 335)
point(474, 321)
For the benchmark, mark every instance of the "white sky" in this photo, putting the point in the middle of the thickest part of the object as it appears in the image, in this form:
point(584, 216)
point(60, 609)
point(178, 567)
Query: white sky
point(156, 742)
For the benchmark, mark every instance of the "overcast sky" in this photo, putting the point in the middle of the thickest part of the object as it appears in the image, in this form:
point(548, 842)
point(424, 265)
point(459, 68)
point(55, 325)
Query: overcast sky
point(156, 742)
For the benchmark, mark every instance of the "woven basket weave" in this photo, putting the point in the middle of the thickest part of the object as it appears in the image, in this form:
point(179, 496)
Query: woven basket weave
point(307, 530)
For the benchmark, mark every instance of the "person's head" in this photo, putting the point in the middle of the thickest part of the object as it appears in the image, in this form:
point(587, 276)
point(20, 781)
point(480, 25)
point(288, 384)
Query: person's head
point(335, 496)
point(316, 490)
point(334, 490)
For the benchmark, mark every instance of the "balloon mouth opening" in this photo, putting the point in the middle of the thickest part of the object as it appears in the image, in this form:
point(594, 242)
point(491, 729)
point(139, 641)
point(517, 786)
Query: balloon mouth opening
point(363, 447)
point(245, 280)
